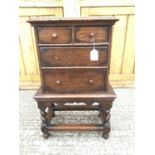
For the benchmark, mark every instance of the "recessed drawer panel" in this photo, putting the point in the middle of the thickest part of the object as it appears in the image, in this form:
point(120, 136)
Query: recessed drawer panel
point(86, 34)
point(72, 56)
point(73, 80)
point(54, 35)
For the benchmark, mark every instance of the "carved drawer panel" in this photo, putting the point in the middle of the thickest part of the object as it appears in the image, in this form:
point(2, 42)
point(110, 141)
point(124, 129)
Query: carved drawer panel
point(72, 56)
point(86, 34)
point(74, 80)
point(54, 35)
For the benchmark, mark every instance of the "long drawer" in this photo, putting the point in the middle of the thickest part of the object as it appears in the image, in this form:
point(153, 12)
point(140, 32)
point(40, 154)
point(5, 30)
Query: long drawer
point(74, 80)
point(72, 56)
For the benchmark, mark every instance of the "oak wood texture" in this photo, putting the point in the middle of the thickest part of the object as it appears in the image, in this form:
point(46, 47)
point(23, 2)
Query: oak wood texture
point(74, 80)
point(68, 74)
point(86, 34)
point(88, 25)
point(72, 56)
point(76, 127)
point(54, 35)
point(75, 21)
point(41, 96)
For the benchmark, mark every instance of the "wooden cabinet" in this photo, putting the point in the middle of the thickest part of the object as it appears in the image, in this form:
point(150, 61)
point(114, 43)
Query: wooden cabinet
point(74, 58)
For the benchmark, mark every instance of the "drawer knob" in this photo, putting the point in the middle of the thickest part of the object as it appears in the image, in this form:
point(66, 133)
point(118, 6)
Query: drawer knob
point(91, 81)
point(91, 35)
point(58, 82)
point(56, 58)
point(54, 35)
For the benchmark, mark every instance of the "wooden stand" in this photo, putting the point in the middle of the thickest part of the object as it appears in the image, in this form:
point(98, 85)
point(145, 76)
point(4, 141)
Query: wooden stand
point(49, 103)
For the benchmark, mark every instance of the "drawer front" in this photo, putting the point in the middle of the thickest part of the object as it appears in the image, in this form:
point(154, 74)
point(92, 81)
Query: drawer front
point(74, 80)
point(72, 56)
point(54, 35)
point(86, 34)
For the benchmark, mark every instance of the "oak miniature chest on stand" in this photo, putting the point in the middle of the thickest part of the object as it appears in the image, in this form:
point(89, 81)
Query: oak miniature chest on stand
point(74, 61)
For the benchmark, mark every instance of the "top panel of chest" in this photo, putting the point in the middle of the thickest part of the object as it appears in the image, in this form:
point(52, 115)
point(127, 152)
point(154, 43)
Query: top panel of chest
point(73, 30)
point(106, 20)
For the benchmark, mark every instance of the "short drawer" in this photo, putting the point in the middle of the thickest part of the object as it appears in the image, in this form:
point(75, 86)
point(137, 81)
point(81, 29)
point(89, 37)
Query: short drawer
point(72, 56)
point(73, 80)
point(54, 35)
point(86, 34)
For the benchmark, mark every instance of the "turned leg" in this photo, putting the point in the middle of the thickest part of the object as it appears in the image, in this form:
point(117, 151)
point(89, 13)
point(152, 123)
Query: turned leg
point(106, 124)
point(44, 123)
point(46, 116)
point(105, 117)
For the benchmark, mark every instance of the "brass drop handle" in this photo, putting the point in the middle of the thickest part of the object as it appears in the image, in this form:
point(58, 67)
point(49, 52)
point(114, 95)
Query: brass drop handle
point(58, 82)
point(54, 35)
point(91, 81)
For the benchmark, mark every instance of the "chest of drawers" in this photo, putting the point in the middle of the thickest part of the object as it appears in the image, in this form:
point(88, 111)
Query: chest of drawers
point(74, 62)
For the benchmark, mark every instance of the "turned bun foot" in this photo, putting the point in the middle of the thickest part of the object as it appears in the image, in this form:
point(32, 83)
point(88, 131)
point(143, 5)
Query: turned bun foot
point(106, 136)
point(46, 135)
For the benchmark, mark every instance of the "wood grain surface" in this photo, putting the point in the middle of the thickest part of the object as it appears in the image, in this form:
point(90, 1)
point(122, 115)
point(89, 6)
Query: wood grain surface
point(72, 56)
point(86, 34)
point(54, 35)
point(74, 80)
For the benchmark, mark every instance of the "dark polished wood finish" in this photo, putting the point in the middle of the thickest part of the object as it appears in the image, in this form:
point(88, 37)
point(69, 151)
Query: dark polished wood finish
point(86, 34)
point(72, 56)
point(74, 80)
point(69, 74)
point(54, 35)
